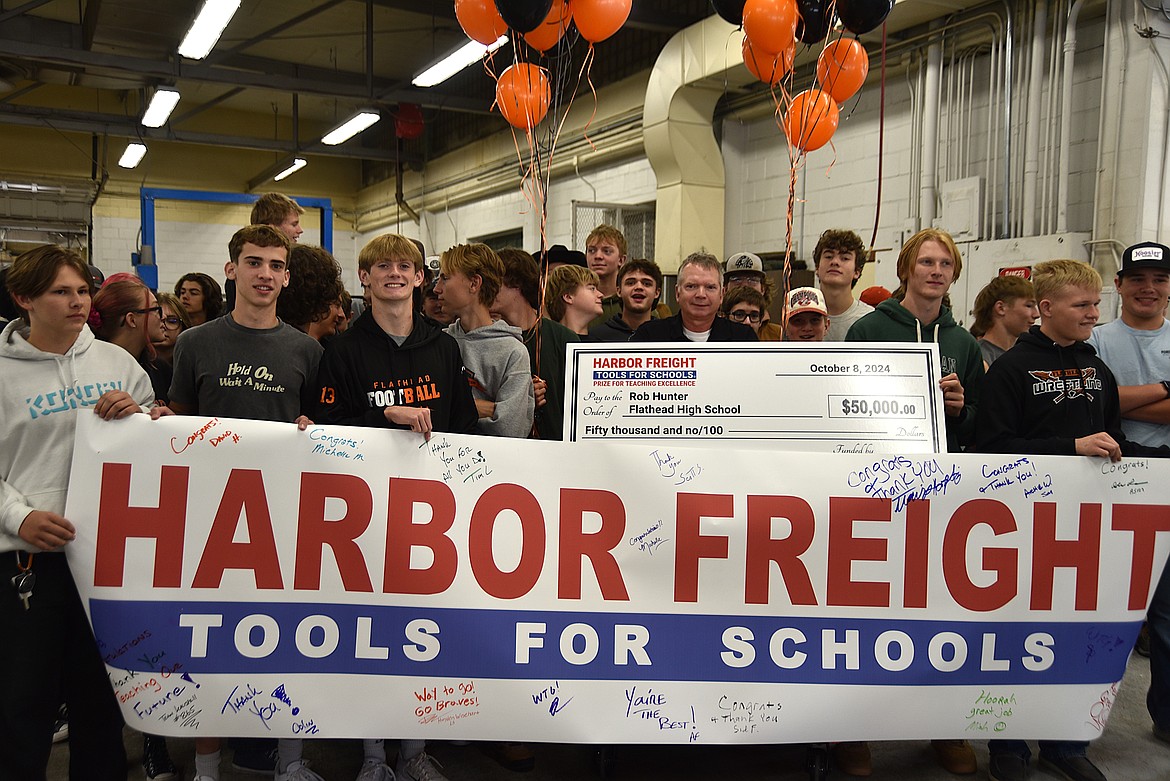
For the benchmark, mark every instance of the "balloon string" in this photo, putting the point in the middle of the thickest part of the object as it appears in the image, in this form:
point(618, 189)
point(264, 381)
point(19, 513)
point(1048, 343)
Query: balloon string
point(587, 69)
point(881, 143)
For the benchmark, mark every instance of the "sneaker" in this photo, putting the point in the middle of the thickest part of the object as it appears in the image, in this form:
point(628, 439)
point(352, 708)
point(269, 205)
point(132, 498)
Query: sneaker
point(250, 760)
point(422, 767)
point(1162, 733)
point(375, 771)
point(517, 757)
point(61, 726)
point(298, 771)
point(853, 758)
point(1076, 767)
point(955, 756)
point(156, 762)
point(1008, 767)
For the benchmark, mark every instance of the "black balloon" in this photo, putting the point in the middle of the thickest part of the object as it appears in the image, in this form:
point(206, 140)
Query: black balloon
point(861, 16)
point(731, 10)
point(524, 16)
point(816, 18)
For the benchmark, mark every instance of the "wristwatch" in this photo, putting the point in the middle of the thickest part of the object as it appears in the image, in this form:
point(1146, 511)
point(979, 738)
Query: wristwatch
point(1166, 385)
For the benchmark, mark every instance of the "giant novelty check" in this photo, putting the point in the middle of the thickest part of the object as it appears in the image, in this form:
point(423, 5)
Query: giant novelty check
point(827, 398)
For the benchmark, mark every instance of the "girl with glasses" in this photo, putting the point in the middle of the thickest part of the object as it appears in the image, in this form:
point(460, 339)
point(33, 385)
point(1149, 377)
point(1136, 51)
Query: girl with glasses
point(174, 322)
point(127, 314)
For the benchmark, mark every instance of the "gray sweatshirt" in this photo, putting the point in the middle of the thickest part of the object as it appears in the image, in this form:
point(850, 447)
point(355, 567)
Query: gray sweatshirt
point(496, 357)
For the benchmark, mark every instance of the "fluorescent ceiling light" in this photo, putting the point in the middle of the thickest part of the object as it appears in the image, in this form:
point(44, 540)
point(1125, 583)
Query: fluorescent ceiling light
point(207, 27)
point(297, 164)
point(160, 108)
point(351, 127)
point(465, 55)
point(133, 155)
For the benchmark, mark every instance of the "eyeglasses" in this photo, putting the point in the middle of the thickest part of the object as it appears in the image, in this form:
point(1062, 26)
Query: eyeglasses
point(739, 315)
point(156, 309)
point(171, 322)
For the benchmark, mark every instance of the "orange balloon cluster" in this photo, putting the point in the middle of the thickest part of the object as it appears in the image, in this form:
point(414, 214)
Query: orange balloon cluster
point(768, 68)
point(480, 20)
point(770, 24)
point(598, 19)
point(842, 68)
point(553, 28)
point(811, 120)
point(769, 48)
point(523, 91)
point(523, 95)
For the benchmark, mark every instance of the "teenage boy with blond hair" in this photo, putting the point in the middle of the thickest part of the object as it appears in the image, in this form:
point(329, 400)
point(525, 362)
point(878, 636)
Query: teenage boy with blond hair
point(572, 298)
point(605, 252)
point(393, 369)
point(1051, 395)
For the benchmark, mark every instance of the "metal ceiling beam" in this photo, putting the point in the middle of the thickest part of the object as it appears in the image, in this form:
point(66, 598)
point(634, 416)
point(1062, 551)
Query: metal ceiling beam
point(120, 126)
point(21, 9)
point(218, 56)
point(44, 42)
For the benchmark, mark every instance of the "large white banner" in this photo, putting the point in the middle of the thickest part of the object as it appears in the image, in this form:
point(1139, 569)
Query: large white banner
point(246, 578)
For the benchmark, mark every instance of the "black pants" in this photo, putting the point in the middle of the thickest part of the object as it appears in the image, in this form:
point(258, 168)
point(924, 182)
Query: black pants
point(48, 656)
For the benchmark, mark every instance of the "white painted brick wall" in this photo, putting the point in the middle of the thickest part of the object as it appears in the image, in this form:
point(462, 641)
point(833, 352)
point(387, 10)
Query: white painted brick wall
point(839, 189)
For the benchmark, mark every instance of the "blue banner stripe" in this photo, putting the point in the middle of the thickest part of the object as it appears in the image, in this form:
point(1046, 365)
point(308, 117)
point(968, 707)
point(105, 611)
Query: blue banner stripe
point(481, 643)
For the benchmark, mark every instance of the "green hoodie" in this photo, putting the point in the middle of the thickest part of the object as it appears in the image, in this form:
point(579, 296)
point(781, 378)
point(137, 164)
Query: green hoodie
point(958, 350)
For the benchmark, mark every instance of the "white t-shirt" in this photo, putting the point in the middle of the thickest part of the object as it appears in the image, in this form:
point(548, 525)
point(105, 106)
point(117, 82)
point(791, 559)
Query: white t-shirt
point(697, 336)
point(1136, 358)
point(839, 324)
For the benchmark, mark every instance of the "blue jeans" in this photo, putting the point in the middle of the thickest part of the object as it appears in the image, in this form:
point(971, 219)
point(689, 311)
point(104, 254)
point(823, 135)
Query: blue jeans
point(1158, 618)
point(1050, 748)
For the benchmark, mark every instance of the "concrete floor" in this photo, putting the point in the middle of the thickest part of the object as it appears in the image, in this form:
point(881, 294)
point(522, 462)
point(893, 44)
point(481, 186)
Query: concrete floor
point(1128, 751)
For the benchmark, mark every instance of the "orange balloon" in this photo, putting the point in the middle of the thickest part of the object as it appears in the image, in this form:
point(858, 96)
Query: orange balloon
point(768, 68)
point(770, 24)
point(598, 19)
point(842, 68)
point(523, 95)
point(480, 20)
point(546, 35)
point(811, 120)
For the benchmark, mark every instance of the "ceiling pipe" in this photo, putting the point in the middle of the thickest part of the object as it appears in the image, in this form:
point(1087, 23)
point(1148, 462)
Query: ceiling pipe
point(931, 100)
point(1066, 92)
point(1032, 123)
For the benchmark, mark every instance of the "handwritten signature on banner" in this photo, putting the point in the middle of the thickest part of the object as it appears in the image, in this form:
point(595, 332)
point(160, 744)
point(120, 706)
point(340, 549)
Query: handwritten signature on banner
point(905, 478)
point(252, 702)
point(1132, 485)
point(671, 467)
point(991, 712)
point(550, 697)
point(165, 693)
point(210, 432)
point(446, 704)
point(328, 444)
point(463, 464)
point(746, 716)
point(650, 539)
point(652, 705)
